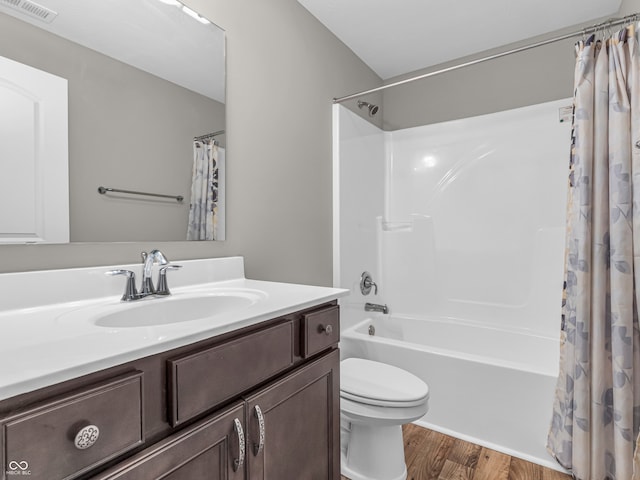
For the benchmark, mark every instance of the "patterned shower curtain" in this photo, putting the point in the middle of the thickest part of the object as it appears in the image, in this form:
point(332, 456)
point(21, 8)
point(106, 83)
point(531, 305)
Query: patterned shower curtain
point(596, 411)
point(204, 191)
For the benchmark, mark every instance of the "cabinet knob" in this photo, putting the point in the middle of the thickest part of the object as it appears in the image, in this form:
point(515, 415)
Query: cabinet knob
point(327, 329)
point(86, 437)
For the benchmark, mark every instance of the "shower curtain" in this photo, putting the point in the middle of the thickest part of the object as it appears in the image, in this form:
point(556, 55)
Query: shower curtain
point(204, 192)
point(596, 411)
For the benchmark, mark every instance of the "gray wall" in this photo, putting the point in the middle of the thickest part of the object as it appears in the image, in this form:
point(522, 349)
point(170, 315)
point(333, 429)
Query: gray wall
point(283, 69)
point(539, 75)
point(534, 76)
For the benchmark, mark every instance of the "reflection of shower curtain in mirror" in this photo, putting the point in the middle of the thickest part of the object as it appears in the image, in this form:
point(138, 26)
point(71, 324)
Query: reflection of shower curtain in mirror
point(203, 210)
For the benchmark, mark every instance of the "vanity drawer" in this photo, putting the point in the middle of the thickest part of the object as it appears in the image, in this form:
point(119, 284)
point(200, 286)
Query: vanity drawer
point(41, 442)
point(320, 330)
point(200, 381)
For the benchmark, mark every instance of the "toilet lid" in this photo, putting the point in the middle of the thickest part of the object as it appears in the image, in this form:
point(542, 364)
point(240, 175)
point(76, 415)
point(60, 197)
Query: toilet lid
point(378, 382)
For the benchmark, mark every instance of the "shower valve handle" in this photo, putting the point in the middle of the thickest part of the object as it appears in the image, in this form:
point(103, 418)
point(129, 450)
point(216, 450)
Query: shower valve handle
point(366, 282)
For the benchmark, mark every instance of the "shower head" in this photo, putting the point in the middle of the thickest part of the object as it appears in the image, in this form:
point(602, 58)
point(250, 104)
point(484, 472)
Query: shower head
point(373, 109)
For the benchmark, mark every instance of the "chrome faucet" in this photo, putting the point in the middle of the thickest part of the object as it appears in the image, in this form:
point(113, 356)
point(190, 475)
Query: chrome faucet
point(149, 259)
point(374, 307)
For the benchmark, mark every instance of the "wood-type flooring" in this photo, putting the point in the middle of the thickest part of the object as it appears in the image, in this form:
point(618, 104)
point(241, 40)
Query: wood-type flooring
point(434, 456)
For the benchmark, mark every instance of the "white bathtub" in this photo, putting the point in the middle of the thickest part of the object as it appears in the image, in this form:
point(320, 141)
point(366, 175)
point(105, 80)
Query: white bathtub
point(489, 386)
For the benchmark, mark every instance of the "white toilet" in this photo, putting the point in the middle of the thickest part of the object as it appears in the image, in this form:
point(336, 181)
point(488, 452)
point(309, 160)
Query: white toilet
point(376, 399)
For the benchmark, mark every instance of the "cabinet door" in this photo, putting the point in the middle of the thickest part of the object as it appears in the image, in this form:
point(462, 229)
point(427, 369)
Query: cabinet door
point(211, 449)
point(298, 419)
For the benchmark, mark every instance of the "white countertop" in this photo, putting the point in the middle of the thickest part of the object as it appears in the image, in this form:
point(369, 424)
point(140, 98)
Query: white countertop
point(46, 342)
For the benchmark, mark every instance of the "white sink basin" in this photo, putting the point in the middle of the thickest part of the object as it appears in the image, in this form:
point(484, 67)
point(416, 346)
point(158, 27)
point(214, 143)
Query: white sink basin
point(174, 309)
point(177, 308)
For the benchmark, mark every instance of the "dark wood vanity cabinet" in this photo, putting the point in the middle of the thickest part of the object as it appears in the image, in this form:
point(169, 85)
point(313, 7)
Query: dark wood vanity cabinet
point(289, 430)
point(261, 403)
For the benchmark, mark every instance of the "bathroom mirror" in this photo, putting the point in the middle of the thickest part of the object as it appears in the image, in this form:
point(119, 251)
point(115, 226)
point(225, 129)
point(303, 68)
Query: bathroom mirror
point(145, 77)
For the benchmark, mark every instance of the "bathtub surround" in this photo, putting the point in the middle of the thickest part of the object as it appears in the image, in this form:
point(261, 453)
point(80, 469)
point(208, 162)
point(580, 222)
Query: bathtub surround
point(467, 253)
point(449, 220)
point(597, 405)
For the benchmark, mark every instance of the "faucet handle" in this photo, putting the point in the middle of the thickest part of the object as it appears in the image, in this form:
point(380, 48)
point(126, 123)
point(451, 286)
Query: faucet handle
point(163, 287)
point(130, 291)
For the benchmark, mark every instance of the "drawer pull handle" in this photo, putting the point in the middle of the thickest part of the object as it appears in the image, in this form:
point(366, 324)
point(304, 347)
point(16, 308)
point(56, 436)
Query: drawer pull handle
point(238, 462)
point(87, 437)
point(327, 329)
point(258, 447)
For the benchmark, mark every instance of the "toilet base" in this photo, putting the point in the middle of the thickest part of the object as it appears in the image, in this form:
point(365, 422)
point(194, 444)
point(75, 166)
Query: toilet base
point(373, 453)
point(346, 472)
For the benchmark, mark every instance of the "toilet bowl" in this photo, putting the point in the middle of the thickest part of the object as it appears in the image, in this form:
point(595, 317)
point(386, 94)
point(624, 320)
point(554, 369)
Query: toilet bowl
point(376, 399)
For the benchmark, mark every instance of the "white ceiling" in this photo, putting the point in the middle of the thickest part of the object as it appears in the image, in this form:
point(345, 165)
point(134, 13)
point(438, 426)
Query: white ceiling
point(148, 34)
point(395, 37)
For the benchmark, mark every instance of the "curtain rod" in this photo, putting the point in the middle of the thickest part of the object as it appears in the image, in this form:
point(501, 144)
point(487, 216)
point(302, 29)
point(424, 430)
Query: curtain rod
point(208, 135)
point(584, 32)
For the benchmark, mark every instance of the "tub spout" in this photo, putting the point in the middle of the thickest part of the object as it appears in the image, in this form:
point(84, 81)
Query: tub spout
point(374, 307)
